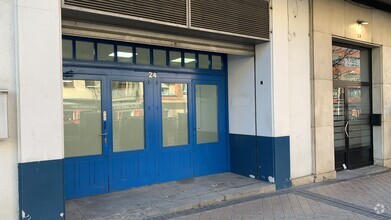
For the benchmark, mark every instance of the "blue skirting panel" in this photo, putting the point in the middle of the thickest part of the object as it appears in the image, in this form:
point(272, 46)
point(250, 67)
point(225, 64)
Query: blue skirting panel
point(274, 161)
point(267, 158)
point(243, 152)
point(41, 190)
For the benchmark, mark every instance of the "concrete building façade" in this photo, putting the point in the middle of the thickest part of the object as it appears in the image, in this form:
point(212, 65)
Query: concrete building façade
point(289, 99)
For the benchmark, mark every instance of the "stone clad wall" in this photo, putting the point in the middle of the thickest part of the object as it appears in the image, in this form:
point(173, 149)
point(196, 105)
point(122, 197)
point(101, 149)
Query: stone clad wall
point(337, 19)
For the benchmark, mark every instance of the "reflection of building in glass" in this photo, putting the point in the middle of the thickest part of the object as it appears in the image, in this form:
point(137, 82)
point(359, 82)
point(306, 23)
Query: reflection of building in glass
point(346, 64)
point(82, 117)
point(128, 115)
point(174, 114)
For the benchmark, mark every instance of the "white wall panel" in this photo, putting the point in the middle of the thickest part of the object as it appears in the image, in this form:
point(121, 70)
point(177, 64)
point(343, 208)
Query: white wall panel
point(264, 91)
point(241, 95)
point(40, 87)
point(280, 69)
point(284, 98)
point(9, 146)
point(299, 89)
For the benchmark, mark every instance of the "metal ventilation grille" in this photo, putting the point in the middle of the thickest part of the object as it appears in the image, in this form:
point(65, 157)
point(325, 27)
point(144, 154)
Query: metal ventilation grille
point(172, 11)
point(245, 17)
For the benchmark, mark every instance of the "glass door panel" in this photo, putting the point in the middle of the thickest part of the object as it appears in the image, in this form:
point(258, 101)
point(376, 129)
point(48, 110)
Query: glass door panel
point(360, 131)
point(85, 136)
point(210, 150)
point(174, 153)
point(128, 116)
point(339, 118)
point(350, 64)
point(206, 114)
point(82, 117)
point(132, 159)
point(174, 114)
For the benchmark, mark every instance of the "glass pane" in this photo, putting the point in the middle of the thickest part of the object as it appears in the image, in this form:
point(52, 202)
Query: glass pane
point(347, 63)
point(203, 61)
point(67, 49)
point(175, 59)
point(339, 117)
point(124, 54)
point(207, 118)
point(84, 50)
point(216, 62)
point(82, 117)
point(143, 56)
point(359, 112)
point(174, 114)
point(128, 116)
point(159, 58)
point(106, 52)
point(190, 60)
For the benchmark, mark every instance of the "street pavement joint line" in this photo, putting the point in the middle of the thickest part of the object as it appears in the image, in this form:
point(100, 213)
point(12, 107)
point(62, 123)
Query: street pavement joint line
point(342, 205)
point(220, 205)
point(334, 181)
point(271, 194)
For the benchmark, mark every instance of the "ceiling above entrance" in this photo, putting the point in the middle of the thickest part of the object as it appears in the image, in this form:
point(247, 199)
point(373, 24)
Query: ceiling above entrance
point(384, 5)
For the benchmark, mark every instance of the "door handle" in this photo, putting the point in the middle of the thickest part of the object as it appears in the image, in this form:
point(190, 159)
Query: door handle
point(346, 129)
point(104, 134)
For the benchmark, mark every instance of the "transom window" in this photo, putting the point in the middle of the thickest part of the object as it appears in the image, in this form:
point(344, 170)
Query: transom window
point(84, 49)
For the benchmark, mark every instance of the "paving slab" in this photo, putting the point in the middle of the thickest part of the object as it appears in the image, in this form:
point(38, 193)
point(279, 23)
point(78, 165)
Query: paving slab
point(274, 208)
point(365, 195)
point(372, 192)
point(365, 171)
point(161, 199)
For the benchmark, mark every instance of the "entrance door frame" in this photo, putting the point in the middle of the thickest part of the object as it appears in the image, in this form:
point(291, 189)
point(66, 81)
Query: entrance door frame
point(346, 84)
point(88, 161)
point(148, 128)
point(88, 71)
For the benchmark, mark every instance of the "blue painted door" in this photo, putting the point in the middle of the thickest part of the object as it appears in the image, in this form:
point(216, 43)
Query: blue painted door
point(131, 131)
point(210, 126)
point(85, 136)
point(173, 111)
point(149, 133)
point(124, 131)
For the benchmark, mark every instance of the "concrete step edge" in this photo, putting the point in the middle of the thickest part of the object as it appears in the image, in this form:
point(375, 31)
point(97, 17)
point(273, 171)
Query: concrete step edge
point(224, 196)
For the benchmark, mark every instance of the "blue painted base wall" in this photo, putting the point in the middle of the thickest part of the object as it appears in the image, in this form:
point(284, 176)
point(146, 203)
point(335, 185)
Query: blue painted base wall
point(41, 189)
point(274, 160)
point(267, 158)
point(243, 152)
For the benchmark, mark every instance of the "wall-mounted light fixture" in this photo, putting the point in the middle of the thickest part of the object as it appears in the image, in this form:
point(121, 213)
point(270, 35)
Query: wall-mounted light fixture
point(3, 114)
point(361, 21)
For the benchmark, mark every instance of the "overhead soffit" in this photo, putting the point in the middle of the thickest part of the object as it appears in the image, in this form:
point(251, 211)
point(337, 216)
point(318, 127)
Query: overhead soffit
point(95, 30)
point(384, 5)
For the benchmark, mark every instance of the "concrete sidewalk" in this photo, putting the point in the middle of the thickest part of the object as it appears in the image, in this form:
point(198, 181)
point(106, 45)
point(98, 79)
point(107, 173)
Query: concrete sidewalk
point(162, 199)
point(356, 194)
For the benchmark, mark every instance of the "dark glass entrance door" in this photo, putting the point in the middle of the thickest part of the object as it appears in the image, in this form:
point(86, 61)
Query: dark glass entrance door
point(352, 128)
point(352, 108)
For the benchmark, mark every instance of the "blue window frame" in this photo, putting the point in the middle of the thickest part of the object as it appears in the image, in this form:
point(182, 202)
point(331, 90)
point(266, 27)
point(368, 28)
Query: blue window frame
point(129, 55)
